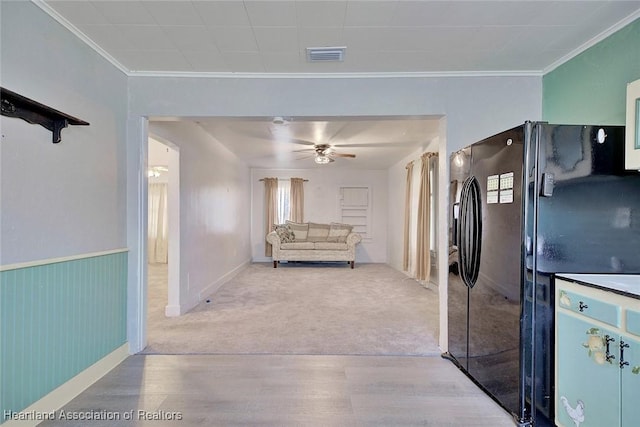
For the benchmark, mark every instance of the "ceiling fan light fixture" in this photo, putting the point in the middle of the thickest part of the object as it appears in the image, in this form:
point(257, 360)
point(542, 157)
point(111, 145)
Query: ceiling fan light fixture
point(156, 171)
point(322, 159)
point(278, 120)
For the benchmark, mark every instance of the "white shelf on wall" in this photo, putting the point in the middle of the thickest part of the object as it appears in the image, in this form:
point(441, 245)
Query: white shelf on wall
point(355, 209)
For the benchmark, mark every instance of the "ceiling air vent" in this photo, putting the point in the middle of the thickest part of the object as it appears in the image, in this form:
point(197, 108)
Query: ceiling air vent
point(325, 54)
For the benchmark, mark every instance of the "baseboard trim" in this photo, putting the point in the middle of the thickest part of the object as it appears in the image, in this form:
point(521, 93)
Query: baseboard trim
point(62, 395)
point(222, 280)
point(172, 311)
point(211, 288)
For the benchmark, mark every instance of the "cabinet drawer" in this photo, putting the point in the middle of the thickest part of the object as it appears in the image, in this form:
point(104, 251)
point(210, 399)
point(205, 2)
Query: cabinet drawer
point(633, 322)
point(595, 309)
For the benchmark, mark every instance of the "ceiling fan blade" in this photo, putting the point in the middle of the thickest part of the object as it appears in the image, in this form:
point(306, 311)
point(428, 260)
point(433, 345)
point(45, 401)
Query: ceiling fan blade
point(306, 150)
point(350, 130)
point(301, 141)
point(352, 156)
point(306, 157)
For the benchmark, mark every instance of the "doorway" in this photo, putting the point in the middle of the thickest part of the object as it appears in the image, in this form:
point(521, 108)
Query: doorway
point(163, 231)
point(182, 301)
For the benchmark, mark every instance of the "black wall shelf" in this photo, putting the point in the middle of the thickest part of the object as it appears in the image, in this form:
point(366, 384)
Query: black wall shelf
point(14, 105)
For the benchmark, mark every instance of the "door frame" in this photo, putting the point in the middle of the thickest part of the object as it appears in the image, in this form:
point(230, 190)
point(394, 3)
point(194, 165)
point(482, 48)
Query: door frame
point(172, 308)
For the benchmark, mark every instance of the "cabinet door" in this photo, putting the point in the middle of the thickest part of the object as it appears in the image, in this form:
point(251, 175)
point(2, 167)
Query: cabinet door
point(588, 391)
point(631, 383)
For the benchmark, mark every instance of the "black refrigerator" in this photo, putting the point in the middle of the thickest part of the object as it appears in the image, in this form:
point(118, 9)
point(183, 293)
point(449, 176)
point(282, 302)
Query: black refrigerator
point(527, 203)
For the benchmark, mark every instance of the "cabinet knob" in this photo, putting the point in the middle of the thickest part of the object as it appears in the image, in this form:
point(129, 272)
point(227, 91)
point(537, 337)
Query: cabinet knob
point(582, 306)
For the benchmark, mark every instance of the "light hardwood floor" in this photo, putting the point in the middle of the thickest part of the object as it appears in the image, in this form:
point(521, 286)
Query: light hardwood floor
point(288, 390)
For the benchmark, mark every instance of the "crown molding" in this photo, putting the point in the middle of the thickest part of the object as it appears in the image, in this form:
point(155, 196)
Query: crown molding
point(592, 42)
point(418, 74)
point(69, 26)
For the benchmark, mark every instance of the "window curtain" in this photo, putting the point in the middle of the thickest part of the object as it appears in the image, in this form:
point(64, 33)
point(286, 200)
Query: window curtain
point(271, 208)
point(297, 200)
point(423, 249)
point(158, 230)
point(407, 217)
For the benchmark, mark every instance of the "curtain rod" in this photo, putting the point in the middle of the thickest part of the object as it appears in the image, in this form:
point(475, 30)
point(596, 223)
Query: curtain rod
point(429, 154)
point(284, 179)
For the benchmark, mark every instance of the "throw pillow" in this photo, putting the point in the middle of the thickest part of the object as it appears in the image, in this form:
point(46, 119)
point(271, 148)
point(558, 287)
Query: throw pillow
point(299, 229)
point(339, 232)
point(285, 234)
point(318, 232)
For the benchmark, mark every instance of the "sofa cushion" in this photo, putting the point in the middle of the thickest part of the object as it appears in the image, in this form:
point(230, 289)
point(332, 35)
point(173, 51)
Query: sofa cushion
point(300, 230)
point(298, 245)
point(318, 232)
point(332, 246)
point(284, 232)
point(339, 232)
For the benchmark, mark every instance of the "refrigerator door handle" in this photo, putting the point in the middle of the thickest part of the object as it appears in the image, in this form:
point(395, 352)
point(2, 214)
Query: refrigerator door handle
point(470, 231)
point(455, 216)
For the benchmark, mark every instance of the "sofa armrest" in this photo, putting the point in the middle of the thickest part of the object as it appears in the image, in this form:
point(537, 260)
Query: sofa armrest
point(353, 239)
point(274, 239)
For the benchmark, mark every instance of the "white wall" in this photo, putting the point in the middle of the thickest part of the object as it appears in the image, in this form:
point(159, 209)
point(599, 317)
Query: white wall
point(214, 210)
point(475, 107)
point(321, 205)
point(69, 198)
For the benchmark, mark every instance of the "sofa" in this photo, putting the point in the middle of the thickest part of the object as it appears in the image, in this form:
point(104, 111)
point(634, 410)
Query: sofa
point(311, 241)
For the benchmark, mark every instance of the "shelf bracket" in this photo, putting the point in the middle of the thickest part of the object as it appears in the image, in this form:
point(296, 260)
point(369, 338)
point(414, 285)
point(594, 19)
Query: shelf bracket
point(18, 106)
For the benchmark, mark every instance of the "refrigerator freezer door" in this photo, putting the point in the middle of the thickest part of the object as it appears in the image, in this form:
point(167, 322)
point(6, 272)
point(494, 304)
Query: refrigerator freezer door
point(494, 301)
point(458, 292)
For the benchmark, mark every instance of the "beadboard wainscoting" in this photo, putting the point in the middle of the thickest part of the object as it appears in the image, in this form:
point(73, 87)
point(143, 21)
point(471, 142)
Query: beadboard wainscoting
point(58, 317)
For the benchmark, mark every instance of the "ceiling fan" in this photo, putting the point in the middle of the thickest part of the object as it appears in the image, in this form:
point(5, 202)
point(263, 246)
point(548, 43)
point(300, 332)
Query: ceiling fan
point(156, 171)
point(324, 153)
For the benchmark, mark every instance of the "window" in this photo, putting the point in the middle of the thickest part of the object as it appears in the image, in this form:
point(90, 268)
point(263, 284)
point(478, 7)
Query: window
point(284, 197)
point(355, 209)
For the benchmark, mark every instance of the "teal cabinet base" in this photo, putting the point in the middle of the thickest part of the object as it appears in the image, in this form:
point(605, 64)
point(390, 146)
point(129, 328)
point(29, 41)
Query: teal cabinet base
point(597, 357)
point(588, 380)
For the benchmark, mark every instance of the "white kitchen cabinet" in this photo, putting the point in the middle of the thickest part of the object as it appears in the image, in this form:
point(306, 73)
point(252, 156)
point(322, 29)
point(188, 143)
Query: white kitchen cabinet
point(597, 340)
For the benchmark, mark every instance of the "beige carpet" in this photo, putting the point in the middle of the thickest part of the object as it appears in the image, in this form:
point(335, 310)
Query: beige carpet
point(301, 308)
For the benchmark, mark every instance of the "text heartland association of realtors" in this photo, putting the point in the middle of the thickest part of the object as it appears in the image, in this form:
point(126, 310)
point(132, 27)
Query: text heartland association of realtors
point(140, 415)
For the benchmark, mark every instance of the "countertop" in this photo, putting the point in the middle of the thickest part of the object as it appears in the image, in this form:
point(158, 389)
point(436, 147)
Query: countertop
point(628, 284)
